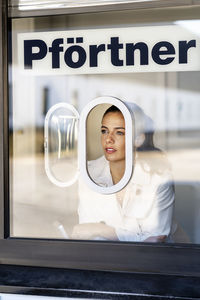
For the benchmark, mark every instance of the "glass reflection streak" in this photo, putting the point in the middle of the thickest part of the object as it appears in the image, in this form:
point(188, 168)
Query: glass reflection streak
point(61, 124)
point(66, 133)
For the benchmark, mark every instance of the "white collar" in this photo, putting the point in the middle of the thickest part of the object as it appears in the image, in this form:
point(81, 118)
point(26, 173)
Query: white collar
point(99, 171)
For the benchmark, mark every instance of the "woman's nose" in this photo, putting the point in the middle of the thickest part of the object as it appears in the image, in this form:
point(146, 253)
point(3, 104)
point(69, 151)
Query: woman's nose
point(110, 138)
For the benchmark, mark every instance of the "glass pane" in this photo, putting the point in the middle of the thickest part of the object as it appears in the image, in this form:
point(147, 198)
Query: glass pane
point(163, 101)
point(61, 129)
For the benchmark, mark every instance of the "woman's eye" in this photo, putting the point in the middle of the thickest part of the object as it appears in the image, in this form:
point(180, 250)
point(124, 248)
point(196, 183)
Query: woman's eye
point(120, 133)
point(103, 131)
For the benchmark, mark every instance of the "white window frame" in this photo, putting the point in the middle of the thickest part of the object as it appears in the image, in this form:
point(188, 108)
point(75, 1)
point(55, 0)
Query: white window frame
point(46, 144)
point(129, 142)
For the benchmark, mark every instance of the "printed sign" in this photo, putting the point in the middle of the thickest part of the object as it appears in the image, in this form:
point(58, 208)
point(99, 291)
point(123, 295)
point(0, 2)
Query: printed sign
point(113, 50)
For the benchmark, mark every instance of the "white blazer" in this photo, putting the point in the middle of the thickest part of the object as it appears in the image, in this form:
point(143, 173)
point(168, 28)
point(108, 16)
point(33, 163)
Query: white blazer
point(147, 208)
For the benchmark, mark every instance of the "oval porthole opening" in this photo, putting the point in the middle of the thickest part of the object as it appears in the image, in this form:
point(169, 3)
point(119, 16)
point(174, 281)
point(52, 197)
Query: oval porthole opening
point(94, 156)
point(61, 144)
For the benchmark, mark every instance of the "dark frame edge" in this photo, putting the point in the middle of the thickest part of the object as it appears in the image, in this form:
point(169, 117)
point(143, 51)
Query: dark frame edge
point(102, 256)
point(4, 117)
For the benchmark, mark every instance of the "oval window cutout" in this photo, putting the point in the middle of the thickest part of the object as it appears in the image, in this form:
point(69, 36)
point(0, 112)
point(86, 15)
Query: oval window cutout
point(61, 144)
point(106, 139)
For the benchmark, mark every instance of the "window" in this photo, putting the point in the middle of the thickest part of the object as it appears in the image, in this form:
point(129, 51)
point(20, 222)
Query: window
point(60, 138)
point(167, 96)
point(90, 145)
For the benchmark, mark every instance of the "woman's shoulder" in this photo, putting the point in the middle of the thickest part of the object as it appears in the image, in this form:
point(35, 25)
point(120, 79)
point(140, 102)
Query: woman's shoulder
point(153, 167)
point(155, 160)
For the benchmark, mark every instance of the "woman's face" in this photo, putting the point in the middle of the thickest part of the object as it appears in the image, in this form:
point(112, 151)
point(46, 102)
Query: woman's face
point(113, 136)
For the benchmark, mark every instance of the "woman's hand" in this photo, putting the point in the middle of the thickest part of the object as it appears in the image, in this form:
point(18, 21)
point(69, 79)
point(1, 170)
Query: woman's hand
point(93, 230)
point(156, 239)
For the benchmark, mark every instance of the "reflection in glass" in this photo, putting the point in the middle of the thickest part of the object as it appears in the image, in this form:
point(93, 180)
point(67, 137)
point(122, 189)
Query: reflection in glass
point(61, 144)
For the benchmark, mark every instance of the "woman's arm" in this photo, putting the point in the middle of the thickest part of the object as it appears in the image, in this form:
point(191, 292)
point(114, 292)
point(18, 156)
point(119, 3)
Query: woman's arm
point(156, 225)
point(93, 230)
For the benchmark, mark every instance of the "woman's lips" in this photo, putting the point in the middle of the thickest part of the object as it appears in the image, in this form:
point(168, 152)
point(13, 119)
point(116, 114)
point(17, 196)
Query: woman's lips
point(110, 150)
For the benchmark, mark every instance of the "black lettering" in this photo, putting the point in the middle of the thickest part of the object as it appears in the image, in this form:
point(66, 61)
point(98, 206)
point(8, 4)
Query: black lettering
point(184, 46)
point(157, 52)
point(29, 55)
point(94, 51)
point(114, 46)
point(81, 57)
point(130, 53)
point(56, 49)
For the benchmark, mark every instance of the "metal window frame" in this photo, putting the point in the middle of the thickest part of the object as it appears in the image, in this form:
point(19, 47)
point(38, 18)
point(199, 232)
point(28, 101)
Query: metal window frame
point(179, 259)
point(16, 10)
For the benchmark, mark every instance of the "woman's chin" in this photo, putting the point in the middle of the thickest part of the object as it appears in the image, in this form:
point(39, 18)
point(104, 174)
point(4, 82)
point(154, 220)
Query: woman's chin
point(109, 158)
point(112, 158)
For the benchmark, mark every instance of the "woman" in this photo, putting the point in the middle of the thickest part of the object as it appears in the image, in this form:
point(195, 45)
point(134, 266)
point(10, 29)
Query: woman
point(143, 210)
